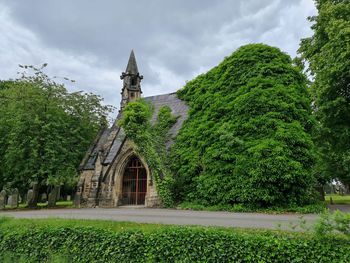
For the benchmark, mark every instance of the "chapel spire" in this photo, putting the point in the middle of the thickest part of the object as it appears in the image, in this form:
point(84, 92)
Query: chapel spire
point(132, 65)
point(131, 90)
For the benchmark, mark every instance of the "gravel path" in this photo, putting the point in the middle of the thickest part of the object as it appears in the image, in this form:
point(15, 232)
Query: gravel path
point(170, 216)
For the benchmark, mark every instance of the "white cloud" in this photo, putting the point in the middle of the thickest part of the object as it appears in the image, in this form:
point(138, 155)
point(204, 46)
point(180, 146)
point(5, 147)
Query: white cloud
point(21, 46)
point(174, 40)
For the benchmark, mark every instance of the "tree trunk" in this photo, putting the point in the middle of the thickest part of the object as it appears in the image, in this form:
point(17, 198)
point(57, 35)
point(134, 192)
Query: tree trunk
point(321, 191)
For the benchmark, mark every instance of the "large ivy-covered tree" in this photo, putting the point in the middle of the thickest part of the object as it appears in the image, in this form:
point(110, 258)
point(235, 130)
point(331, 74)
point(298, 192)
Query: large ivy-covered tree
point(44, 131)
point(328, 55)
point(247, 139)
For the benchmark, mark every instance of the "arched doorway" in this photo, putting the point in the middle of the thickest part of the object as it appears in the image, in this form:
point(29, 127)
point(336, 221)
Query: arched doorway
point(134, 187)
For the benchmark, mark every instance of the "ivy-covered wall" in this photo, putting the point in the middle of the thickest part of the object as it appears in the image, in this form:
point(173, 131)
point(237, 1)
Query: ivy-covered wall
point(247, 139)
point(248, 136)
point(150, 142)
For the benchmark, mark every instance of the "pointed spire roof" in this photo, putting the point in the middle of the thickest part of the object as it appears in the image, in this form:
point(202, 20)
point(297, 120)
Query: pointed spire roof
point(131, 68)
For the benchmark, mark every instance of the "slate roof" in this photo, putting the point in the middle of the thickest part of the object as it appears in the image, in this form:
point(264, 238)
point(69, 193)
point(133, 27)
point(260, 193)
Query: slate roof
point(90, 159)
point(178, 108)
point(116, 146)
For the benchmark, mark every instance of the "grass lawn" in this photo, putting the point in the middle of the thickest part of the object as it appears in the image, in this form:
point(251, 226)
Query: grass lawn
point(117, 226)
point(338, 199)
point(59, 204)
point(13, 223)
point(8, 222)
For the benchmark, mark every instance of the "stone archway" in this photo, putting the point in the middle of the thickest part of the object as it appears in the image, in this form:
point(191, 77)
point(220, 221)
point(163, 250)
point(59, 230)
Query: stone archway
point(134, 182)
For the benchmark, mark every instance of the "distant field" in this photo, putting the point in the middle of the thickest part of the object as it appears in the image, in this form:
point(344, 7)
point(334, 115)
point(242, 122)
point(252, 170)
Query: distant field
point(338, 199)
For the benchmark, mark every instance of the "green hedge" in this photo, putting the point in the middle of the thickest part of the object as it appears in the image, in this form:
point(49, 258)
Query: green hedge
point(167, 244)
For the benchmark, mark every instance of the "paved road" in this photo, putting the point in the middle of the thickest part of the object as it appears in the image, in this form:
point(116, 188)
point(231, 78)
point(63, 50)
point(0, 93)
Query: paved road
point(170, 216)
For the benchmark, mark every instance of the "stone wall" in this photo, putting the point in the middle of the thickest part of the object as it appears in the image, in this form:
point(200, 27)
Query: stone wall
point(103, 186)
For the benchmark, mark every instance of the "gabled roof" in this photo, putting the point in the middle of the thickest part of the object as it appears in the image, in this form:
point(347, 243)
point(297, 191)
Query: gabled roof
point(90, 159)
point(112, 142)
point(178, 108)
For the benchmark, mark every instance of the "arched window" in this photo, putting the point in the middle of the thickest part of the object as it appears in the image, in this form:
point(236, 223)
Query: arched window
point(133, 81)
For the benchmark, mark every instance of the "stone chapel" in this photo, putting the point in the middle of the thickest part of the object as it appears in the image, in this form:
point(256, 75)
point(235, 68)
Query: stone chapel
point(112, 174)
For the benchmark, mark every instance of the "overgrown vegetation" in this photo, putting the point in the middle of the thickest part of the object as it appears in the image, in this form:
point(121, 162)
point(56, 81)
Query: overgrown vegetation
point(247, 140)
point(104, 241)
point(44, 130)
point(328, 55)
point(150, 142)
point(330, 223)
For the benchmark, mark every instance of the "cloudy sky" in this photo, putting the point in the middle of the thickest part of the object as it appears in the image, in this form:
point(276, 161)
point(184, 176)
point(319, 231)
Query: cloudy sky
point(90, 40)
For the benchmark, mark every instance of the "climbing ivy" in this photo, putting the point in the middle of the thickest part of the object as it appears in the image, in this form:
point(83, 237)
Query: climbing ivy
point(150, 140)
point(248, 136)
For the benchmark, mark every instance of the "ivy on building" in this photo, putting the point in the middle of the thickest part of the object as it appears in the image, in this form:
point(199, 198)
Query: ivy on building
point(150, 141)
point(248, 136)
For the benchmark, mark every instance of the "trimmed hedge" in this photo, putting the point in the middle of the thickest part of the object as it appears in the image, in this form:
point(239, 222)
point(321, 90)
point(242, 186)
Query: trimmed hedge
point(169, 244)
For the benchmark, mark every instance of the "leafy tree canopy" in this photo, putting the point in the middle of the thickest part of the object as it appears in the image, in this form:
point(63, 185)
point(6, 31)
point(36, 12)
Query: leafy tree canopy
point(328, 55)
point(247, 139)
point(44, 130)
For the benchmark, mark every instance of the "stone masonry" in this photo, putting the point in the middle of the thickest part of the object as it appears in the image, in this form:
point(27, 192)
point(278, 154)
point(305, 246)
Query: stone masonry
point(105, 170)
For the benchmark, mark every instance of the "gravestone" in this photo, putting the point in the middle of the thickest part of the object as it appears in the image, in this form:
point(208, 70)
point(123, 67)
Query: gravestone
point(3, 197)
point(69, 197)
point(32, 202)
point(30, 196)
point(77, 200)
point(53, 196)
point(43, 198)
point(9, 200)
point(14, 198)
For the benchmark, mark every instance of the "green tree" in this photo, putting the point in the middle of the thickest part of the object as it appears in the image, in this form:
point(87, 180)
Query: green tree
point(44, 131)
point(328, 55)
point(247, 139)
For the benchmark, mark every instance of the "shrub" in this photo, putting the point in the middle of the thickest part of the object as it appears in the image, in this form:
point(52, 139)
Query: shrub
point(337, 222)
point(167, 244)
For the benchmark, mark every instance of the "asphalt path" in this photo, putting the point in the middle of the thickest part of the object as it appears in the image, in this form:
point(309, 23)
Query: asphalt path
point(171, 216)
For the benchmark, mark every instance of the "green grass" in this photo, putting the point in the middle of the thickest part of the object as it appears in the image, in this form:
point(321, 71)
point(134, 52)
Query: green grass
point(315, 208)
point(8, 223)
point(338, 199)
point(12, 223)
point(59, 204)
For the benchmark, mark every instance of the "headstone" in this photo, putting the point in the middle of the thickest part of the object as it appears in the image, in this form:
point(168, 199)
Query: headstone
point(77, 200)
point(43, 198)
point(53, 196)
point(14, 198)
point(78, 195)
point(69, 197)
point(3, 197)
point(32, 202)
point(9, 200)
point(30, 196)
